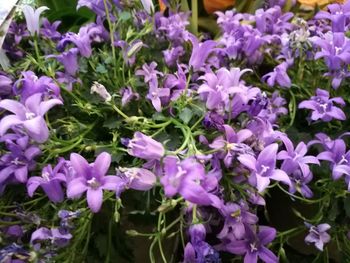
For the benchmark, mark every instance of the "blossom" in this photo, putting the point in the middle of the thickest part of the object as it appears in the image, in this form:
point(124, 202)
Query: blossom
point(128, 95)
point(31, 84)
point(148, 6)
point(279, 76)
point(30, 116)
point(150, 74)
point(144, 147)
point(322, 106)
point(318, 235)
point(53, 235)
point(69, 59)
point(156, 94)
point(253, 246)
point(92, 179)
point(189, 179)
point(295, 158)
point(19, 160)
point(264, 168)
point(200, 52)
point(337, 14)
point(100, 90)
point(232, 143)
point(50, 30)
point(137, 178)
point(33, 18)
point(50, 181)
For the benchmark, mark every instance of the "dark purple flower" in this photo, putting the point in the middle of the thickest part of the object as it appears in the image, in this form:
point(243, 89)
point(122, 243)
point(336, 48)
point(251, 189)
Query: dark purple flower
point(322, 106)
point(30, 116)
point(19, 160)
point(50, 181)
point(128, 95)
point(236, 217)
point(264, 168)
point(144, 147)
point(254, 245)
point(49, 30)
point(318, 235)
point(14, 254)
point(53, 235)
point(92, 179)
point(5, 85)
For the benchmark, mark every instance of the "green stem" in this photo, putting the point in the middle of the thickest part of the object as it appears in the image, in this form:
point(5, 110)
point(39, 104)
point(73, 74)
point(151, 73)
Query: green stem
point(194, 17)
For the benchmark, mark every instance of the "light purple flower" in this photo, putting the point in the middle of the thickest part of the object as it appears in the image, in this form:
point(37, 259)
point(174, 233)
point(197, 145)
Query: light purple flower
point(278, 76)
point(264, 168)
point(33, 18)
point(318, 235)
point(92, 179)
point(31, 84)
point(144, 147)
point(190, 180)
point(231, 144)
point(254, 245)
point(150, 74)
point(295, 158)
point(338, 14)
point(50, 181)
point(69, 59)
point(322, 106)
point(156, 95)
point(200, 52)
point(30, 116)
point(137, 178)
point(128, 95)
point(53, 235)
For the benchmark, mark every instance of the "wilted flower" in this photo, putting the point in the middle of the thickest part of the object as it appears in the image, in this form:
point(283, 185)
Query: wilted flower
point(148, 6)
point(100, 90)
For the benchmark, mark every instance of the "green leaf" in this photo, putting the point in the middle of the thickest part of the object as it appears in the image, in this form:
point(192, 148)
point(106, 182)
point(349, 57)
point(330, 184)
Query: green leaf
point(186, 115)
point(101, 69)
point(124, 16)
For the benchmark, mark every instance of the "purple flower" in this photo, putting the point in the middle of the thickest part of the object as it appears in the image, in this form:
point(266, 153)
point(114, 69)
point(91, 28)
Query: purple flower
point(50, 30)
point(322, 106)
point(236, 217)
point(171, 56)
point(189, 179)
point(299, 183)
point(18, 30)
point(53, 235)
point(144, 147)
point(128, 95)
point(30, 116)
point(50, 181)
point(318, 235)
point(232, 143)
point(335, 49)
point(92, 179)
point(295, 158)
point(254, 245)
point(200, 52)
point(338, 158)
point(19, 160)
point(31, 84)
point(5, 85)
point(69, 59)
point(137, 178)
point(264, 168)
point(83, 40)
point(156, 94)
point(150, 74)
point(279, 76)
point(338, 14)
point(33, 18)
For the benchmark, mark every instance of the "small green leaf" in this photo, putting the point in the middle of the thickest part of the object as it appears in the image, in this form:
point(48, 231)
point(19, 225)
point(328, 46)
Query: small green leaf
point(186, 115)
point(101, 69)
point(124, 16)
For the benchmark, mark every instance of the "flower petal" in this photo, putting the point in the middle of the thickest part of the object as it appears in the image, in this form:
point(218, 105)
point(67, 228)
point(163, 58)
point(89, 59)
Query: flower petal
point(94, 199)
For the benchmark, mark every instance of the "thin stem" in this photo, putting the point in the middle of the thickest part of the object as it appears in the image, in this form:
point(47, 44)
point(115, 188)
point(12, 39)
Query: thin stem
point(194, 18)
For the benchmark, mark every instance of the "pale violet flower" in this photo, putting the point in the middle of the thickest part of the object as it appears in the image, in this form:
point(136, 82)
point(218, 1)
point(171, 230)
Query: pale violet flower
point(33, 18)
point(148, 6)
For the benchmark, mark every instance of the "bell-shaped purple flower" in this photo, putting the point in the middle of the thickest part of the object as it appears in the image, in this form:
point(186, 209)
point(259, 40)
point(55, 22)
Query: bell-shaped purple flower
point(338, 14)
point(318, 235)
point(264, 168)
point(137, 178)
point(200, 52)
point(150, 74)
point(323, 107)
point(144, 147)
point(49, 30)
point(92, 179)
point(50, 181)
point(278, 76)
point(30, 116)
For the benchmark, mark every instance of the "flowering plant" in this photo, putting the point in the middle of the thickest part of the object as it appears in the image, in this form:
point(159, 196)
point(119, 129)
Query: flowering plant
point(139, 132)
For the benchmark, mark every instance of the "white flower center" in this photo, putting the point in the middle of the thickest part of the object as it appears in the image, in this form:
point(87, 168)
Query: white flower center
point(93, 183)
